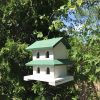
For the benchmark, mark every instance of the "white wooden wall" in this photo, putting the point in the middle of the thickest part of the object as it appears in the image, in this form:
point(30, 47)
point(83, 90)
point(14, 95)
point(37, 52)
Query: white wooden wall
point(43, 76)
point(60, 71)
point(60, 51)
point(43, 54)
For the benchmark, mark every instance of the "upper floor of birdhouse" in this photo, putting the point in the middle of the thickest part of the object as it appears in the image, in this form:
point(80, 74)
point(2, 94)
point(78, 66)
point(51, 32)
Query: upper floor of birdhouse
point(50, 49)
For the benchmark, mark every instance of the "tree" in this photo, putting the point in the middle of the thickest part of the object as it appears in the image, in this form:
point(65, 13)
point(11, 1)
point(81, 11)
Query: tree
point(22, 22)
point(86, 48)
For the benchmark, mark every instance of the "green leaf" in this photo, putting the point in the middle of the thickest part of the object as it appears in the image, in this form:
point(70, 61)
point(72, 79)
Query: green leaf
point(39, 34)
point(79, 2)
point(51, 27)
point(62, 7)
point(98, 70)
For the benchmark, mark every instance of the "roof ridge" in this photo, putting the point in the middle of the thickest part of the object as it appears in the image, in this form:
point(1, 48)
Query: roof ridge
point(47, 39)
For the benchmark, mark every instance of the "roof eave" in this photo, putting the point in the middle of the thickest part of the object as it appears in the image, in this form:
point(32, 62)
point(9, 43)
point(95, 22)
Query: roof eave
point(39, 48)
point(44, 64)
point(51, 63)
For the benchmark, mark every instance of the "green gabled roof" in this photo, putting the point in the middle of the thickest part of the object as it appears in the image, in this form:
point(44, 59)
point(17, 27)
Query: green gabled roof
point(50, 43)
point(49, 62)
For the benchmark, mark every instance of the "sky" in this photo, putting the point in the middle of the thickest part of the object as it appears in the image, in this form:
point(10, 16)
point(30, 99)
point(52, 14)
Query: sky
point(72, 21)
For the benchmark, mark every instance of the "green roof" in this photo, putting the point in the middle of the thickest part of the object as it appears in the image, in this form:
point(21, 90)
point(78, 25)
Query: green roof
point(49, 62)
point(50, 43)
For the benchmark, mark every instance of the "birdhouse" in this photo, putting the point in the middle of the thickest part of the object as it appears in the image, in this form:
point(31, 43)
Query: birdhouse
point(49, 62)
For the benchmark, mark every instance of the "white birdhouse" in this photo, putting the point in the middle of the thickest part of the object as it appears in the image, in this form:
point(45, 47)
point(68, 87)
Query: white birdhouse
point(49, 62)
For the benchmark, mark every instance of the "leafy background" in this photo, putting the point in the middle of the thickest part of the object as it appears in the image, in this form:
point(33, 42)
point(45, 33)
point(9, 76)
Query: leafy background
point(24, 21)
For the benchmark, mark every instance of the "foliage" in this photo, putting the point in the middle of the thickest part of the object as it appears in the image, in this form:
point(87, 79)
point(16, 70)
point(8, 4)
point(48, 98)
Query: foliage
point(12, 60)
point(24, 21)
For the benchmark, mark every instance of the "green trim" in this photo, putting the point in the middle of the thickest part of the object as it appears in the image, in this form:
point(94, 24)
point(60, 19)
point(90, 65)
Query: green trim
point(44, 44)
point(43, 48)
point(49, 62)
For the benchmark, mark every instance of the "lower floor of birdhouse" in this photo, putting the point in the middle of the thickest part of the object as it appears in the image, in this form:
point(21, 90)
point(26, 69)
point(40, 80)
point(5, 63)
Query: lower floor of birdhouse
point(51, 81)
